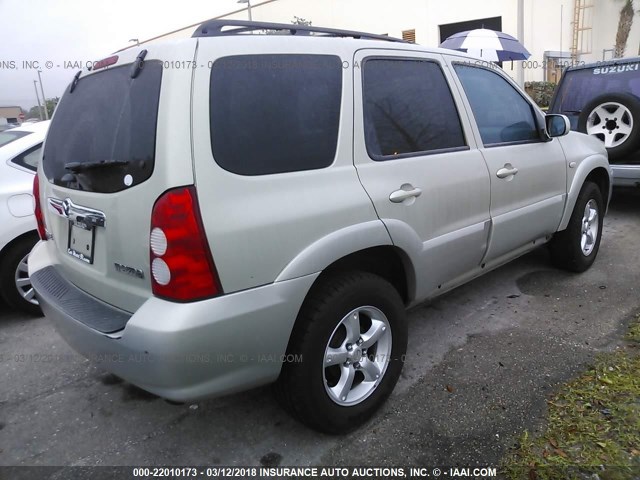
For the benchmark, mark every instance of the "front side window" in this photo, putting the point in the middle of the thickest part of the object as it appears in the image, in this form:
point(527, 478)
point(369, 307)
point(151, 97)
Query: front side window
point(501, 112)
point(275, 113)
point(408, 109)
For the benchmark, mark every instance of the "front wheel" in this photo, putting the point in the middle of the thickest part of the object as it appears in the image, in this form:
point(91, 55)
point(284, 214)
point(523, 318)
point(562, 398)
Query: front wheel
point(348, 344)
point(575, 249)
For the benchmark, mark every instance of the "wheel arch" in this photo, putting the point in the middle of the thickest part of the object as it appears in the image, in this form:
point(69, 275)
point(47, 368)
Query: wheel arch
point(594, 169)
point(20, 238)
point(366, 246)
point(386, 261)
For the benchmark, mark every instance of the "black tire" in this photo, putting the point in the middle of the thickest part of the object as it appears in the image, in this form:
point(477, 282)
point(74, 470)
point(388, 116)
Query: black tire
point(301, 388)
point(11, 260)
point(566, 246)
point(632, 104)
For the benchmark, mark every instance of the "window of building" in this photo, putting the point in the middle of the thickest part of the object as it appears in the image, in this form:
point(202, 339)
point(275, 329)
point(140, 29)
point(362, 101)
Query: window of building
point(408, 109)
point(275, 113)
point(491, 23)
point(501, 112)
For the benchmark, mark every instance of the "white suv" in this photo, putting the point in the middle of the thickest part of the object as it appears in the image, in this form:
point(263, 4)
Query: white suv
point(232, 210)
point(20, 152)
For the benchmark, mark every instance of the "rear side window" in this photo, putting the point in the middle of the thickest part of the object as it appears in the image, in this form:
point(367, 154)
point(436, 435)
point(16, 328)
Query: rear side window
point(275, 113)
point(102, 138)
point(30, 158)
point(502, 114)
point(7, 137)
point(408, 109)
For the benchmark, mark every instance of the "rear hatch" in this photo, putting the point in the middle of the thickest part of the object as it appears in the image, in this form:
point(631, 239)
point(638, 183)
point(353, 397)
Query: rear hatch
point(581, 85)
point(119, 138)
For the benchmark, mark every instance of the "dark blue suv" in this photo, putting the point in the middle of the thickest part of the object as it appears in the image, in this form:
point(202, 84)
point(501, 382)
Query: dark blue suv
point(603, 99)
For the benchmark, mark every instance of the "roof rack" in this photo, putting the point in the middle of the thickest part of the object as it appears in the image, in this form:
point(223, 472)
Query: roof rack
point(216, 28)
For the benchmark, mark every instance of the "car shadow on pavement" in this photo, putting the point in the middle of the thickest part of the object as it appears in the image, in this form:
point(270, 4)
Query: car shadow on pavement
point(626, 200)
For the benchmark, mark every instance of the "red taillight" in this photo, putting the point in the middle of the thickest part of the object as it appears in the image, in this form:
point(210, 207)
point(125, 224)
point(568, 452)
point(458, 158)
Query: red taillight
point(42, 231)
point(182, 267)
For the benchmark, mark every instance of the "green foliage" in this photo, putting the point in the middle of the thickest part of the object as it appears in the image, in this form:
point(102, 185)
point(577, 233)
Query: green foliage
point(593, 424)
point(296, 21)
point(35, 112)
point(52, 103)
point(300, 21)
point(540, 92)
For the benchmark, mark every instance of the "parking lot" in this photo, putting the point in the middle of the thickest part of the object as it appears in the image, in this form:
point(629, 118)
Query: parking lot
point(481, 362)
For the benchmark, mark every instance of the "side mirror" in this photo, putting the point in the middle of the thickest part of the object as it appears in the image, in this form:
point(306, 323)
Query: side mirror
point(557, 125)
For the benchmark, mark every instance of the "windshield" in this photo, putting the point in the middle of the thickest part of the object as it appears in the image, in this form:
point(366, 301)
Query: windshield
point(108, 125)
point(9, 136)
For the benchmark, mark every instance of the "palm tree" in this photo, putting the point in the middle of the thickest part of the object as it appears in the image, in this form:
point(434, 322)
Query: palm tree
point(624, 28)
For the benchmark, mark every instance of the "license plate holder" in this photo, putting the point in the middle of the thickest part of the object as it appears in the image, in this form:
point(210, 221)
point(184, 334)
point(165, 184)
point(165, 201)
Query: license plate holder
point(81, 242)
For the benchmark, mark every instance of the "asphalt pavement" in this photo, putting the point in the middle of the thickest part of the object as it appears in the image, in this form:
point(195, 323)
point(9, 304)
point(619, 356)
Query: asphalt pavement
point(482, 360)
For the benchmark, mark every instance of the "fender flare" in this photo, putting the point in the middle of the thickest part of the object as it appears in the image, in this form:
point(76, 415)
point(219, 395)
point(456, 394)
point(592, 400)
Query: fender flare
point(585, 168)
point(342, 243)
point(330, 248)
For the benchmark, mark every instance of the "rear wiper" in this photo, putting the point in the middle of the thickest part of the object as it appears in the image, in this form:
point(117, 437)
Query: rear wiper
point(77, 167)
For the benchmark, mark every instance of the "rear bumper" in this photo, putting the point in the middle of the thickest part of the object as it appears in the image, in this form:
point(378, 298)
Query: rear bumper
point(180, 351)
point(626, 175)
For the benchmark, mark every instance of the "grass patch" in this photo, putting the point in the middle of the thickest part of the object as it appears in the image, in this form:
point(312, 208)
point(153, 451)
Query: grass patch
point(593, 423)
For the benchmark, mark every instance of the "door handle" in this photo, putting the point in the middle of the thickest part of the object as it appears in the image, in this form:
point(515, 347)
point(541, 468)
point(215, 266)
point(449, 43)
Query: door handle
point(406, 191)
point(506, 171)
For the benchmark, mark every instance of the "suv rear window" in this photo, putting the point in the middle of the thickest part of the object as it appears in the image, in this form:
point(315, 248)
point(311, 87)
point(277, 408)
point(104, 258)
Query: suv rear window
point(109, 117)
point(275, 113)
point(579, 87)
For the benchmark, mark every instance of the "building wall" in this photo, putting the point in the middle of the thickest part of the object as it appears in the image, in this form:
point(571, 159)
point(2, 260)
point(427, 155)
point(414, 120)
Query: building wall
point(12, 113)
point(547, 23)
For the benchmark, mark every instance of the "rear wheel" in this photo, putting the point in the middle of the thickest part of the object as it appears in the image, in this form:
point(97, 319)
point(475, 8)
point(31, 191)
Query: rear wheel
point(575, 249)
point(15, 285)
point(348, 344)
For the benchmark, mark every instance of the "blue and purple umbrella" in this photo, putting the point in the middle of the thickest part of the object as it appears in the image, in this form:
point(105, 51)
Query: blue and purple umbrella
point(488, 45)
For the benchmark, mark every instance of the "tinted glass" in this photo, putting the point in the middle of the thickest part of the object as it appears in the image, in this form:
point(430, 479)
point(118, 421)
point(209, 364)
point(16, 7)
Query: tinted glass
point(501, 113)
point(275, 113)
point(108, 117)
point(408, 108)
point(29, 159)
point(579, 87)
point(9, 136)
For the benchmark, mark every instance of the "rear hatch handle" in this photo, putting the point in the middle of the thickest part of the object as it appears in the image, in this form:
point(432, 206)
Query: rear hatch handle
point(76, 213)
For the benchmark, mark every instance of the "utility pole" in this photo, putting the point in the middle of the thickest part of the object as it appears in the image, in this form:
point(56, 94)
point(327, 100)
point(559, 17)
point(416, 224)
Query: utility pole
point(520, 65)
point(44, 99)
point(38, 97)
point(248, 2)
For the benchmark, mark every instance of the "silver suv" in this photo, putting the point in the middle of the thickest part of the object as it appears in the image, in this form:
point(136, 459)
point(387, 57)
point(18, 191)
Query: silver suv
point(235, 209)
